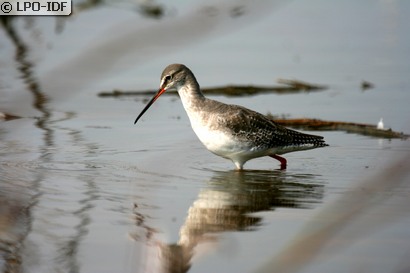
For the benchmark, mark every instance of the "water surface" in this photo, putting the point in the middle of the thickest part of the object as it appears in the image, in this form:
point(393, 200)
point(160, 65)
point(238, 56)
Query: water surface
point(84, 190)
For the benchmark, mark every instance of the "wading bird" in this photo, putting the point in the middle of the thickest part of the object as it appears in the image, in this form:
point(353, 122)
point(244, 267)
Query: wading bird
point(231, 131)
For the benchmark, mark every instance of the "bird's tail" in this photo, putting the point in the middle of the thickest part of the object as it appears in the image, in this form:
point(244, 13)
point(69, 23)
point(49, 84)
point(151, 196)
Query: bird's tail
point(300, 141)
point(303, 139)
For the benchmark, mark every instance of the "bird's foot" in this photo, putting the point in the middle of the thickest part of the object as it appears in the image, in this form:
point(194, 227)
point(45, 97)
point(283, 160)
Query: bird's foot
point(282, 161)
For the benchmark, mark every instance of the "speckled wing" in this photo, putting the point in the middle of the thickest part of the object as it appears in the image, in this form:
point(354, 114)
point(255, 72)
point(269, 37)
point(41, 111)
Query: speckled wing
point(261, 132)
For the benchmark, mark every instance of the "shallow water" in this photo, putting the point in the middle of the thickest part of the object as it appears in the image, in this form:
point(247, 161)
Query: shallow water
point(84, 190)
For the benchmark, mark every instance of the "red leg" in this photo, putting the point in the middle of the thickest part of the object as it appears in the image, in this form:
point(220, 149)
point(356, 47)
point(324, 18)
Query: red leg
point(282, 161)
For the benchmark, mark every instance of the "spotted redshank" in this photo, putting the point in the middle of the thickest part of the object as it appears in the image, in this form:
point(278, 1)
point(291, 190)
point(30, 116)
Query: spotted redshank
point(231, 131)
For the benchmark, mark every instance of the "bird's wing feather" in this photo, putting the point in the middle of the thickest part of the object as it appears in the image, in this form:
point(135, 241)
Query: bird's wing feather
point(256, 128)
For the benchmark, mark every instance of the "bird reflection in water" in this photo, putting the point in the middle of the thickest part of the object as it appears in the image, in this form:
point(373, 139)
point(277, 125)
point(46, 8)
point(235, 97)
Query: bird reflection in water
point(226, 204)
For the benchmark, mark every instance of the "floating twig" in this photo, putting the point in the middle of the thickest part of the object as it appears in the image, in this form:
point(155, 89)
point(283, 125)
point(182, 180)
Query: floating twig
point(366, 85)
point(350, 127)
point(7, 117)
point(231, 90)
point(300, 85)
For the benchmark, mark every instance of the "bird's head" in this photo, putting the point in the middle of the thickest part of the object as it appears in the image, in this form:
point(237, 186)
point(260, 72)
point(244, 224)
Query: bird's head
point(173, 76)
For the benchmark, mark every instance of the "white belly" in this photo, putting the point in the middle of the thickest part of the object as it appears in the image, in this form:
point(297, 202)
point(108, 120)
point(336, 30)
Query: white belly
point(224, 144)
point(216, 141)
point(219, 141)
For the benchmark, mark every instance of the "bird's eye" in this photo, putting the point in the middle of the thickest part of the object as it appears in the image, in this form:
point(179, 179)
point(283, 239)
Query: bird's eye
point(167, 78)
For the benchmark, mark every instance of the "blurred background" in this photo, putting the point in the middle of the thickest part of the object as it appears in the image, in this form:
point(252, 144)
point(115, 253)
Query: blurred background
point(84, 190)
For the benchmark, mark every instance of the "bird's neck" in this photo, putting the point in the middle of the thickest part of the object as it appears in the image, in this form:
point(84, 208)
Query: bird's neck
point(190, 93)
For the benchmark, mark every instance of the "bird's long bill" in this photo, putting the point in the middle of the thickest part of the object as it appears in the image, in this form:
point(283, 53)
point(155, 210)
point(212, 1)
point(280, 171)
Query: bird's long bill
point(159, 93)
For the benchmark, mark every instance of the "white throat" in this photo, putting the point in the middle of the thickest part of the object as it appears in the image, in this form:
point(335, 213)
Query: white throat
point(190, 98)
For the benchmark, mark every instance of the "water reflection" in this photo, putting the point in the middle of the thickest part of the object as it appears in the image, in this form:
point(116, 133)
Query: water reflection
point(19, 195)
point(15, 218)
point(227, 204)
